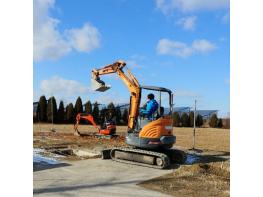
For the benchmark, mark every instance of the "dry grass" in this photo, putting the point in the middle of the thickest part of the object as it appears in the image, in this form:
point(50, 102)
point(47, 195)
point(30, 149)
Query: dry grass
point(206, 138)
point(68, 128)
point(195, 180)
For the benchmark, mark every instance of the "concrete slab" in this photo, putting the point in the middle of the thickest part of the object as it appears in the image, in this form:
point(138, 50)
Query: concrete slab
point(85, 153)
point(95, 177)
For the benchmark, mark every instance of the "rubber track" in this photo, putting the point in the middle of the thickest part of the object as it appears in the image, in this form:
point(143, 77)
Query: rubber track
point(164, 157)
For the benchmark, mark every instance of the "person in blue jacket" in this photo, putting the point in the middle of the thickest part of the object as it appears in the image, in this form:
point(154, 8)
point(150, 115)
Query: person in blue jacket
point(150, 108)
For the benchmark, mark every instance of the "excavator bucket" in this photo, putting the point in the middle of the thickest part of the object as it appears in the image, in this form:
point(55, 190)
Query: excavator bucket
point(99, 85)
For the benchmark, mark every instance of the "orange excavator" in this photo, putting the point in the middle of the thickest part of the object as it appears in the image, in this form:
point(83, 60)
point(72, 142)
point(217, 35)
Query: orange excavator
point(150, 141)
point(108, 128)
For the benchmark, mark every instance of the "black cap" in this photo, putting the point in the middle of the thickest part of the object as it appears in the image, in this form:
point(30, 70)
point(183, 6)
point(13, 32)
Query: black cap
point(150, 96)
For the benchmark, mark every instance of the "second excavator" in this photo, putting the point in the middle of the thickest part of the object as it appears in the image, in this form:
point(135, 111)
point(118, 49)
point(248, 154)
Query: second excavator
point(150, 141)
point(108, 128)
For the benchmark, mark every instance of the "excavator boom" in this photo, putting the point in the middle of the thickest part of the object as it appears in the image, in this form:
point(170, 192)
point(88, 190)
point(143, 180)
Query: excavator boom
point(129, 80)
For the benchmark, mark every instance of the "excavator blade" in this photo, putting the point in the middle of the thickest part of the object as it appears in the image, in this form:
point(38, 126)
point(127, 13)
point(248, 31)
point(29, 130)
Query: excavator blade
point(99, 85)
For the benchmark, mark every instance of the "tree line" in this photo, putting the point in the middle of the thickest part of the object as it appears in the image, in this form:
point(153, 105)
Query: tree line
point(47, 111)
point(186, 120)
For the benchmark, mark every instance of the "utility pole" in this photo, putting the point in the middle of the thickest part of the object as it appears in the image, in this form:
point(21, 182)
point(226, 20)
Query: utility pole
point(194, 127)
point(52, 112)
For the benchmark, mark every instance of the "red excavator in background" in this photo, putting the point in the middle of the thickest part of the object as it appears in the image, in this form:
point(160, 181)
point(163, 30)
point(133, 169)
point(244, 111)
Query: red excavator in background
point(107, 128)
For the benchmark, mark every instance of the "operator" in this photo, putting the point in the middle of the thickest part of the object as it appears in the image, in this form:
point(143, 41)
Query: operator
point(150, 107)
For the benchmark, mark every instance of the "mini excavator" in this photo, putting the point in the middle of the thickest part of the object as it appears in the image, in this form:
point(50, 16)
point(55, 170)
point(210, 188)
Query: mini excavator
point(107, 128)
point(149, 143)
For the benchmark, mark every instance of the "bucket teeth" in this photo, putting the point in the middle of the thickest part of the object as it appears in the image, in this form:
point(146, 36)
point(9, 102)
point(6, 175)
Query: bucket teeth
point(99, 85)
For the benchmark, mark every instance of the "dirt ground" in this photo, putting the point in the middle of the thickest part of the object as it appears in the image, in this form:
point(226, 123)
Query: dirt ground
point(207, 176)
point(195, 180)
point(64, 137)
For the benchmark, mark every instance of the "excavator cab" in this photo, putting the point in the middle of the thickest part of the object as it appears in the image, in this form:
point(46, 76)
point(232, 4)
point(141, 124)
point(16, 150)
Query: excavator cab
point(160, 94)
point(157, 132)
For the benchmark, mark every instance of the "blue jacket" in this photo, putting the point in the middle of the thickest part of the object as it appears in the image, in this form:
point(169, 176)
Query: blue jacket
point(151, 107)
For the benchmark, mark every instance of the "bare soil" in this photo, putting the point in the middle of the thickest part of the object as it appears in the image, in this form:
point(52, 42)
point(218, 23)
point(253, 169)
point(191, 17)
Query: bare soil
point(196, 180)
point(208, 176)
point(206, 138)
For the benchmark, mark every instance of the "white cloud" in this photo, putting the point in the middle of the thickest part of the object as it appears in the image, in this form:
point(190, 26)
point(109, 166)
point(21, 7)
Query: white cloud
point(168, 6)
point(62, 87)
point(170, 47)
point(131, 63)
point(188, 23)
point(202, 46)
point(50, 43)
point(136, 61)
point(112, 96)
point(84, 39)
point(68, 90)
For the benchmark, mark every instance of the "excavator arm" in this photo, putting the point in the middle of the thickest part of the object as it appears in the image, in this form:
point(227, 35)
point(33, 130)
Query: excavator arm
point(129, 80)
point(87, 117)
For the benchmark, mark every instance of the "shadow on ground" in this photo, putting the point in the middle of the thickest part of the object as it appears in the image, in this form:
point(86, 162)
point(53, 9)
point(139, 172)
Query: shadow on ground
point(202, 156)
point(224, 156)
point(38, 166)
point(78, 187)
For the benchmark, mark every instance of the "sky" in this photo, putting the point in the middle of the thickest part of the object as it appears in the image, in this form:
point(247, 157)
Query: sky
point(183, 45)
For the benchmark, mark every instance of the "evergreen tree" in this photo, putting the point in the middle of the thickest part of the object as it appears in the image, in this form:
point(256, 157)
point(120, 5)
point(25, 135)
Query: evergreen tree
point(125, 116)
point(102, 115)
point(111, 111)
point(220, 123)
point(191, 119)
point(66, 115)
point(96, 112)
point(70, 118)
point(42, 112)
point(118, 116)
point(36, 116)
point(78, 106)
point(199, 120)
point(52, 109)
point(213, 121)
point(226, 123)
point(61, 112)
point(176, 119)
point(185, 120)
point(88, 107)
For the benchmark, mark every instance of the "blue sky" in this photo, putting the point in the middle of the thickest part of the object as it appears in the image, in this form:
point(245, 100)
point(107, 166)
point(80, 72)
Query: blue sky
point(181, 45)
